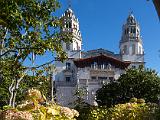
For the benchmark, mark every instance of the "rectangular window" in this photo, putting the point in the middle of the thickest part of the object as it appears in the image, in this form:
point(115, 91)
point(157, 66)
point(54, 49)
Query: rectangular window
point(140, 50)
point(68, 79)
point(102, 78)
point(93, 77)
point(133, 49)
point(68, 66)
point(133, 66)
point(70, 25)
point(68, 46)
point(99, 66)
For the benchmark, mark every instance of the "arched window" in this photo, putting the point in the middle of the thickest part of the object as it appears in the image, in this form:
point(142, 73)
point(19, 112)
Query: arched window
point(134, 30)
point(95, 65)
point(109, 66)
point(70, 25)
point(68, 65)
point(67, 25)
point(133, 49)
point(131, 30)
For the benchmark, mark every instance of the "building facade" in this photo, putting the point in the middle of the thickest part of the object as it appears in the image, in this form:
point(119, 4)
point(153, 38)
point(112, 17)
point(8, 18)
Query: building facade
point(90, 70)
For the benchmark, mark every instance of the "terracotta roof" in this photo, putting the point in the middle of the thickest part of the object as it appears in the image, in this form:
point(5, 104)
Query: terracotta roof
point(86, 62)
point(157, 6)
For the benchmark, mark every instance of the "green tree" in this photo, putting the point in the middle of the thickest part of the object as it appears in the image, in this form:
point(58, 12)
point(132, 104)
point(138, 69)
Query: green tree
point(28, 27)
point(139, 83)
point(39, 81)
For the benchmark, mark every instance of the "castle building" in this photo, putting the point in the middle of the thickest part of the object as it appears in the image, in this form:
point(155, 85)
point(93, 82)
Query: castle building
point(92, 69)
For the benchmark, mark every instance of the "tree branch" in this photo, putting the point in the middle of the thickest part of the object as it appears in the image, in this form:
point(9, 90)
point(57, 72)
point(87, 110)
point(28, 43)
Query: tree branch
point(47, 63)
point(7, 52)
point(2, 41)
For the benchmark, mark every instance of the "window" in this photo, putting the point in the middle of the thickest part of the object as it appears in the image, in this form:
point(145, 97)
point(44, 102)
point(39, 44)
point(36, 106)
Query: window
point(95, 65)
point(127, 30)
point(109, 66)
point(102, 66)
point(68, 79)
point(133, 49)
point(67, 46)
point(131, 30)
point(77, 45)
point(140, 50)
point(102, 78)
point(70, 25)
point(134, 30)
point(111, 78)
point(69, 14)
point(137, 32)
point(93, 77)
point(68, 66)
point(125, 50)
point(133, 66)
point(99, 66)
point(92, 66)
point(67, 25)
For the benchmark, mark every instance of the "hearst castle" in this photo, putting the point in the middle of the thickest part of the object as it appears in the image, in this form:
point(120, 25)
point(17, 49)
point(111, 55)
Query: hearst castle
point(89, 70)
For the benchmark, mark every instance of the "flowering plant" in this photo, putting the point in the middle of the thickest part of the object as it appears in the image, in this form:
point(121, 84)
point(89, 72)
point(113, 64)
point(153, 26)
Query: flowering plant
point(33, 109)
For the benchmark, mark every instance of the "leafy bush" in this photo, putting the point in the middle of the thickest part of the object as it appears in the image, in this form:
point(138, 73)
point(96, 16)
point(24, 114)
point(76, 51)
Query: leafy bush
point(136, 109)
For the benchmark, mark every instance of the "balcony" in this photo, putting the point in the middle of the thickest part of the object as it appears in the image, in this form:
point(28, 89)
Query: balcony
point(101, 72)
point(65, 83)
point(93, 82)
point(68, 72)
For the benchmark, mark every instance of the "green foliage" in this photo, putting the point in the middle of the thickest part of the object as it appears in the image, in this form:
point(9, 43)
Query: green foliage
point(127, 111)
point(133, 111)
point(39, 82)
point(93, 113)
point(79, 102)
point(8, 73)
point(139, 83)
point(27, 27)
point(6, 107)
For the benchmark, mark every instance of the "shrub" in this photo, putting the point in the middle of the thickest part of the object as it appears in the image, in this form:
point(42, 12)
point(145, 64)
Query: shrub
point(13, 114)
point(137, 109)
point(36, 108)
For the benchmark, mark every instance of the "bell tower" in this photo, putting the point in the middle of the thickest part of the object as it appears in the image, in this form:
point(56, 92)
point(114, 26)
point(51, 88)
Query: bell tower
point(71, 24)
point(131, 47)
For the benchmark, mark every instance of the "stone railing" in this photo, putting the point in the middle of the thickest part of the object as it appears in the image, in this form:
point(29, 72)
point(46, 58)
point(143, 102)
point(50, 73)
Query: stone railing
point(92, 82)
point(64, 83)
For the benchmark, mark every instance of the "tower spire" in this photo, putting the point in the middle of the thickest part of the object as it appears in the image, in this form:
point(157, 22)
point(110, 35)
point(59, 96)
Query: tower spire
point(130, 11)
point(69, 3)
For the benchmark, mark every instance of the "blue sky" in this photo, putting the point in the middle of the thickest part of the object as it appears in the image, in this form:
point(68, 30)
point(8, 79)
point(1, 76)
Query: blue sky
point(101, 25)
